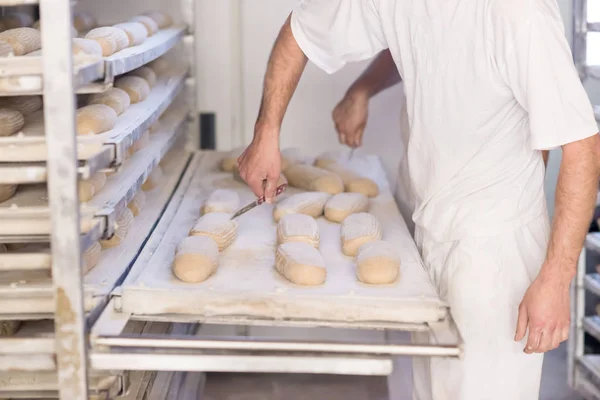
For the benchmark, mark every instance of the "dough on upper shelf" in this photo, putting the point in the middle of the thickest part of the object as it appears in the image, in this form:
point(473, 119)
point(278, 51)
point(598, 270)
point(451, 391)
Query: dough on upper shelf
point(162, 19)
point(124, 221)
point(22, 40)
point(6, 49)
point(218, 226)
point(91, 257)
point(314, 179)
point(83, 21)
point(136, 32)
point(148, 23)
point(137, 88)
point(26, 105)
point(9, 328)
point(340, 206)
point(111, 39)
point(145, 73)
point(95, 119)
point(222, 200)
point(153, 180)
point(137, 204)
point(309, 203)
point(352, 182)
point(377, 263)
point(91, 187)
point(357, 230)
point(229, 162)
point(196, 259)
point(11, 122)
point(300, 263)
point(7, 191)
point(298, 228)
point(87, 46)
point(115, 98)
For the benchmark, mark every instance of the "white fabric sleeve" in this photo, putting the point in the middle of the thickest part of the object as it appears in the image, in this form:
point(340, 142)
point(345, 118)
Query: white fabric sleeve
point(332, 33)
point(537, 65)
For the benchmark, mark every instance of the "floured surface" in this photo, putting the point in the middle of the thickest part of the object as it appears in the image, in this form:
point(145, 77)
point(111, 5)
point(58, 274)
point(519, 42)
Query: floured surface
point(246, 283)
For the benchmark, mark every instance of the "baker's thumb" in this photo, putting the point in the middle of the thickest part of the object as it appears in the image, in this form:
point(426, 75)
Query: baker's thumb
point(522, 321)
point(270, 189)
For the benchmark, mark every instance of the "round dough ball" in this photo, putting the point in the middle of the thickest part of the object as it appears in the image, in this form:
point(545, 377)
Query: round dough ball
point(197, 258)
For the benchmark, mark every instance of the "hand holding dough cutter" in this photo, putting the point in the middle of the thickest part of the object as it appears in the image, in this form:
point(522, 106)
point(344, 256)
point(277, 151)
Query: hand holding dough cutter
point(280, 189)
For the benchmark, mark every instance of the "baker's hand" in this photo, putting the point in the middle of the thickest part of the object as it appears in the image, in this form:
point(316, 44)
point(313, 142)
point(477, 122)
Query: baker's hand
point(260, 167)
point(545, 311)
point(350, 118)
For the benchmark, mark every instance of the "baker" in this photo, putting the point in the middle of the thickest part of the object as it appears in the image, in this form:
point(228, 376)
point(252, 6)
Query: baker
point(489, 85)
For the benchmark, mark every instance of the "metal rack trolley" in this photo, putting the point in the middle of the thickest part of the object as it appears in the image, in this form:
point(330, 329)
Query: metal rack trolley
point(584, 368)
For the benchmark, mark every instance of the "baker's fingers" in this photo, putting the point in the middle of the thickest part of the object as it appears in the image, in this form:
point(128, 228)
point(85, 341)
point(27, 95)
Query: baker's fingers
point(271, 188)
point(255, 183)
point(556, 339)
point(361, 132)
point(564, 333)
point(546, 339)
point(533, 339)
point(343, 138)
point(521, 324)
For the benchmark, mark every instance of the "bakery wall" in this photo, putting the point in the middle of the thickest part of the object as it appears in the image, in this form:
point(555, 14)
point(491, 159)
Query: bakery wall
point(235, 40)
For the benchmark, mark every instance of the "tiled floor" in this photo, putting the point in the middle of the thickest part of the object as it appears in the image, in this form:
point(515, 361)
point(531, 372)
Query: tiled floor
point(310, 387)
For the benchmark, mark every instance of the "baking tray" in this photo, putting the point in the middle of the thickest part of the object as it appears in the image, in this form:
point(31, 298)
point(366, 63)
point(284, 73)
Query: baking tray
point(30, 290)
point(29, 145)
point(246, 283)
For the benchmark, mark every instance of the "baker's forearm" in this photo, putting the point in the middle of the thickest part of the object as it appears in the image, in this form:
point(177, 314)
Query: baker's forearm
point(575, 202)
point(381, 74)
point(285, 67)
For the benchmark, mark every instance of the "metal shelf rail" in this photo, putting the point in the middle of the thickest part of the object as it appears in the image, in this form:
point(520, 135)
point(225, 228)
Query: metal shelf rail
point(584, 368)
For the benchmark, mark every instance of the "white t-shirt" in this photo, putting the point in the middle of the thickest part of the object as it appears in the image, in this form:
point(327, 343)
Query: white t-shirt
point(488, 83)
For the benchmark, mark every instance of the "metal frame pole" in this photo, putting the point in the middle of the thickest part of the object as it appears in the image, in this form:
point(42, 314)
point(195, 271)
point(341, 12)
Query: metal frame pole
point(580, 37)
point(59, 112)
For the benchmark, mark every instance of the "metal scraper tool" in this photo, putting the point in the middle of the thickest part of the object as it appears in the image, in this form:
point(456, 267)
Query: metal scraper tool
point(258, 202)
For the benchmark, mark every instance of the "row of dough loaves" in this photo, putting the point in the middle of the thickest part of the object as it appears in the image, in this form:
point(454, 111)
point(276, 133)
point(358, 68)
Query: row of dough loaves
point(326, 175)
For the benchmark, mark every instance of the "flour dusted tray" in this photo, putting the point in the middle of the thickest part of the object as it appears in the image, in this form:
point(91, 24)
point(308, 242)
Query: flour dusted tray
point(247, 286)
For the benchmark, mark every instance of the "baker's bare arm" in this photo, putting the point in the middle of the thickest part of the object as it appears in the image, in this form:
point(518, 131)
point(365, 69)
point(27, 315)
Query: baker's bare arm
point(260, 164)
point(351, 114)
point(545, 309)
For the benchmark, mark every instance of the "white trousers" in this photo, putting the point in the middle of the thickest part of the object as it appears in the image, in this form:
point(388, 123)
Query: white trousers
point(483, 280)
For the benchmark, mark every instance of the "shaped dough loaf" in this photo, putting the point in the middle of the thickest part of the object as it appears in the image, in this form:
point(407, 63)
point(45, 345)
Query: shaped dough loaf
point(377, 263)
point(9, 328)
point(197, 258)
point(357, 230)
point(137, 88)
point(352, 182)
point(87, 46)
point(95, 119)
point(136, 32)
point(229, 162)
point(148, 23)
point(145, 73)
point(309, 203)
point(342, 205)
point(91, 187)
point(7, 191)
point(137, 204)
point(22, 40)
point(11, 122)
point(111, 39)
point(223, 201)
point(124, 221)
point(115, 98)
point(163, 20)
point(218, 226)
point(300, 263)
point(298, 228)
point(26, 105)
point(314, 179)
point(153, 180)
point(91, 257)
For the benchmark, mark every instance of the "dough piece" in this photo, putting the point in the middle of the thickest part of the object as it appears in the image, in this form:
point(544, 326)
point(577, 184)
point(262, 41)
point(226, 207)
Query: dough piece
point(17, 19)
point(115, 98)
point(357, 230)
point(314, 179)
point(87, 46)
point(83, 21)
point(137, 204)
point(26, 105)
point(153, 180)
point(352, 182)
point(223, 201)
point(136, 32)
point(95, 119)
point(310, 203)
point(161, 65)
point(137, 88)
point(197, 258)
point(6, 49)
point(300, 263)
point(124, 221)
point(7, 192)
point(148, 23)
point(229, 162)
point(106, 35)
point(342, 205)
point(145, 73)
point(218, 226)
point(298, 228)
point(91, 257)
point(163, 20)
point(22, 40)
point(377, 263)
point(9, 328)
point(11, 122)
point(91, 187)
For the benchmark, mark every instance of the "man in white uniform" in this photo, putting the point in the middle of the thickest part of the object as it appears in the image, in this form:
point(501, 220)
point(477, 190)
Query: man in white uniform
point(489, 85)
